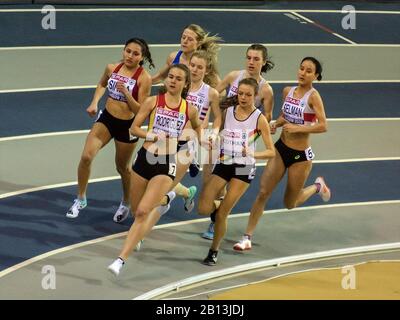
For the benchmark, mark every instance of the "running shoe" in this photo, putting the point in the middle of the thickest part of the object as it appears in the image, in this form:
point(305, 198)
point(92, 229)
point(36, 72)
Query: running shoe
point(209, 234)
point(139, 245)
point(121, 214)
point(243, 244)
point(116, 266)
point(324, 191)
point(78, 205)
point(211, 259)
point(188, 203)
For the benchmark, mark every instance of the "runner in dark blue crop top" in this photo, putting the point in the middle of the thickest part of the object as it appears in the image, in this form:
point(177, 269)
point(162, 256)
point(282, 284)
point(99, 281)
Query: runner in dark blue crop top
point(193, 38)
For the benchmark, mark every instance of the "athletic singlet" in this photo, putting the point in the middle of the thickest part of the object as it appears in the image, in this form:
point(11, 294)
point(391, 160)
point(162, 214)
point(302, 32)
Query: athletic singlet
point(298, 111)
point(199, 99)
point(238, 134)
point(130, 84)
point(177, 57)
point(233, 89)
point(170, 121)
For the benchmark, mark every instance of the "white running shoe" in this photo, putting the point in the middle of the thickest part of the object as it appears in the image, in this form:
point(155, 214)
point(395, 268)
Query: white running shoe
point(116, 266)
point(78, 205)
point(324, 191)
point(163, 209)
point(171, 196)
point(243, 244)
point(121, 214)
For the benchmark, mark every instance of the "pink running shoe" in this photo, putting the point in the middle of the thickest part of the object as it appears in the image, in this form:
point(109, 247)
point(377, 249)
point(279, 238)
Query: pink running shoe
point(324, 191)
point(243, 244)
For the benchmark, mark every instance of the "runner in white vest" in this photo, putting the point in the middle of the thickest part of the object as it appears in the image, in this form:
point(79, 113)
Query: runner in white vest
point(243, 124)
point(257, 63)
point(205, 99)
point(302, 114)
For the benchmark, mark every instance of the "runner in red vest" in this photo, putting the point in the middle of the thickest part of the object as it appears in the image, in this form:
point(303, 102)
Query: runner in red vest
point(128, 86)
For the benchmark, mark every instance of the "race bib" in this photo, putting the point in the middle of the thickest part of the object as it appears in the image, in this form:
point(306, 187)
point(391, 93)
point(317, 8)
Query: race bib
point(309, 153)
point(172, 169)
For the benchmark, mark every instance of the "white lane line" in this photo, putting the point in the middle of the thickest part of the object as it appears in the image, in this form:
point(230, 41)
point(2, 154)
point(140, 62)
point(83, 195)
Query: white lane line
point(361, 119)
point(324, 206)
point(343, 38)
point(54, 186)
point(258, 164)
point(349, 160)
point(293, 17)
point(50, 134)
point(295, 14)
point(241, 45)
point(91, 86)
point(364, 254)
point(48, 89)
point(157, 85)
point(181, 223)
point(357, 160)
point(276, 262)
point(60, 133)
point(300, 263)
point(322, 27)
point(199, 10)
point(42, 135)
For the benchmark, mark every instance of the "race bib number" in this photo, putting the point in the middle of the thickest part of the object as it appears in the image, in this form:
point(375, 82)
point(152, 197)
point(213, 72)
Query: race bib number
point(309, 153)
point(112, 86)
point(130, 85)
point(172, 125)
point(172, 169)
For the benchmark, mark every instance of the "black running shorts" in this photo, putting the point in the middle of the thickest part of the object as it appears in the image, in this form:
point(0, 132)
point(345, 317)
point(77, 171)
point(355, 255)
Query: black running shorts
point(290, 156)
point(241, 172)
point(118, 128)
point(148, 165)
